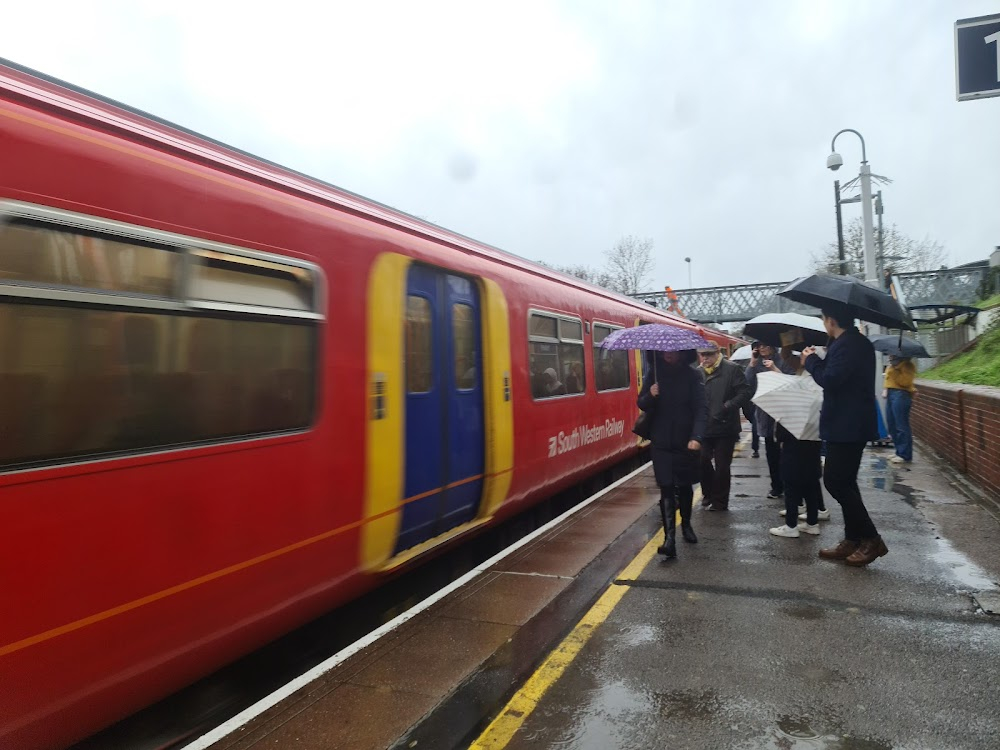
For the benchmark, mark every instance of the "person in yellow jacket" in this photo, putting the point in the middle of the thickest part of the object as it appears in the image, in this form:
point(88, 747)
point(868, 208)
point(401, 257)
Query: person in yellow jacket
point(899, 390)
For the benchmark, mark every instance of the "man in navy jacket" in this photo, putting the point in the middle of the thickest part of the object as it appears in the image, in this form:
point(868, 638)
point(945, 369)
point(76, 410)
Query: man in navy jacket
point(847, 422)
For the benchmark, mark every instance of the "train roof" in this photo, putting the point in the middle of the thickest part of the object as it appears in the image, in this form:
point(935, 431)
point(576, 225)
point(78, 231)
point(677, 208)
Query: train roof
point(65, 98)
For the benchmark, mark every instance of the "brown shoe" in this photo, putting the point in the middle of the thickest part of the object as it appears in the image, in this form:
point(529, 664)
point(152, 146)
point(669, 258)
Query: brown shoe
point(868, 551)
point(842, 551)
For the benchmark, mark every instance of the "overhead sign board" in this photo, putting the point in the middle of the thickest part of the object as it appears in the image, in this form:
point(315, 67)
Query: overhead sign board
point(977, 57)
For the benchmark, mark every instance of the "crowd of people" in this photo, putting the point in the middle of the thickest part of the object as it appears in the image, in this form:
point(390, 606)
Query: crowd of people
point(693, 402)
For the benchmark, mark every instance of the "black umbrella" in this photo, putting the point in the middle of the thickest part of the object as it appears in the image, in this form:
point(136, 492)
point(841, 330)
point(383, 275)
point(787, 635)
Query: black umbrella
point(854, 297)
point(898, 346)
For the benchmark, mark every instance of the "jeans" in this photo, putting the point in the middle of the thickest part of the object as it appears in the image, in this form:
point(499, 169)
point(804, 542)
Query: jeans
point(773, 450)
point(801, 470)
point(716, 480)
point(897, 415)
point(840, 476)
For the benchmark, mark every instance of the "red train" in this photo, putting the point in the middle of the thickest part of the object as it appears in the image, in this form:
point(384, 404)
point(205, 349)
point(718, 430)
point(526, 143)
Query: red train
point(232, 397)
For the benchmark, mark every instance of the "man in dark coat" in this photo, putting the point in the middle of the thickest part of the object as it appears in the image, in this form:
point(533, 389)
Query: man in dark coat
point(847, 422)
point(675, 403)
point(726, 391)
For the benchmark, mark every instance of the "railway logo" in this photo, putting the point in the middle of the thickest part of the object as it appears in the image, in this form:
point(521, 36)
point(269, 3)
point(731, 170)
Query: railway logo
point(585, 435)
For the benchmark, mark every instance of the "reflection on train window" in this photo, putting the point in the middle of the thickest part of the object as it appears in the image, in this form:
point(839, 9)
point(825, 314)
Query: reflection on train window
point(555, 353)
point(78, 382)
point(237, 279)
point(610, 367)
point(463, 328)
point(44, 254)
point(419, 345)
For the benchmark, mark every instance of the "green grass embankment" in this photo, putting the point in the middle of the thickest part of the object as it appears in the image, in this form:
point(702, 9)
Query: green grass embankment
point(986, 304)
point(981, 366)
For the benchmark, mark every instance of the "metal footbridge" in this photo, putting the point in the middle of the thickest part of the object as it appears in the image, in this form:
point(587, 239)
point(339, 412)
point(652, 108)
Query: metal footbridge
point(732, 304)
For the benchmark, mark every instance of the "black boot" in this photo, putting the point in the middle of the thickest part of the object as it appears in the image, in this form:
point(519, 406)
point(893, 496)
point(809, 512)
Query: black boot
point(684, 498)
point(668, 510)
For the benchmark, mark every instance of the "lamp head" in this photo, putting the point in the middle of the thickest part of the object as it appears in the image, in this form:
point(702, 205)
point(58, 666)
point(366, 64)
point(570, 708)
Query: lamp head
point(687, 260)
point(834, 161)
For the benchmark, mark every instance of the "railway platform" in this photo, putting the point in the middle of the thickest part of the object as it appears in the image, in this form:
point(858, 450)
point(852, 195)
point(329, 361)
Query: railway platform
point(585, 638)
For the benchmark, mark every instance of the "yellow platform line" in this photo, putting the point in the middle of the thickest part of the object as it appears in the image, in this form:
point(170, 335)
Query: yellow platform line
point(503, 728)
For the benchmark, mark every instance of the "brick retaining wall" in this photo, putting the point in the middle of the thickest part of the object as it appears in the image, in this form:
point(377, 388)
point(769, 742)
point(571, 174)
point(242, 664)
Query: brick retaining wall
point(962, 424)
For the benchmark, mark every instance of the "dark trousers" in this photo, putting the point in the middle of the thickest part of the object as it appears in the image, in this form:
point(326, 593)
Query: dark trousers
point(897, 417)
point(801, 471)
point(840, 476)
point(748, 412)
point(773, 450)
point(715, 480)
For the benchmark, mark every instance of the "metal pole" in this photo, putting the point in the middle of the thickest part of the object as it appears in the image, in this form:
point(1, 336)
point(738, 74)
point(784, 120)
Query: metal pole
point(881, 241)
point(871, 272)
point(840, 228)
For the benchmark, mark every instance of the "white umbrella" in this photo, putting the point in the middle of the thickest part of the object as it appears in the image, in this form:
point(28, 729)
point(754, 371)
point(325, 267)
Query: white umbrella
point(793, 401)
point(742, 354)
point(802, 328)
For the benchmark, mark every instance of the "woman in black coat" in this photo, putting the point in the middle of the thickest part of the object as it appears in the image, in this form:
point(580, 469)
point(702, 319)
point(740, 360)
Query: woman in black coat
point(677, 409)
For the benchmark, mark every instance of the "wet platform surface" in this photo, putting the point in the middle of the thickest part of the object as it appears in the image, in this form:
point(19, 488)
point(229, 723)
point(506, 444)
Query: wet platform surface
point(433, 680)
point(745, 641)
point(751, 641)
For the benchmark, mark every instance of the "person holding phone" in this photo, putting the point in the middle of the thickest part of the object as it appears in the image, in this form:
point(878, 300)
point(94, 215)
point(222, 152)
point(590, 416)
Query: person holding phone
point(766, 358)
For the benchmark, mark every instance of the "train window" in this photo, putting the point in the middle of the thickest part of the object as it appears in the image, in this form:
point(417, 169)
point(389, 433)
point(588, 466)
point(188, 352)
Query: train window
point(570, 329)
point(47, 254)
point(237, 279)
point(555, 352)
point(542, 325)
point(100, 352)
point(463, 328)
point(78, 382)
point(610, 367)
point(419, 345)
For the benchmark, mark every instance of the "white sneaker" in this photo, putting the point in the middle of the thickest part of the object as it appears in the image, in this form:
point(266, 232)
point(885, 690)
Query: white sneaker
point(806, 528)
point(897, 460)
point(802, 509)
point(822, 515)
point(784, 530)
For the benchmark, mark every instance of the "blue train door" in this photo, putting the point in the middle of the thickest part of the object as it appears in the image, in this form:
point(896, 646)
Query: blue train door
point(444, 405)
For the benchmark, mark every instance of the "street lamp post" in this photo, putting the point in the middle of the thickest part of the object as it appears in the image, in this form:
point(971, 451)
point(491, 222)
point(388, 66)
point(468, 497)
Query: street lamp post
point(835, 161)
point(842, 268)
point(688, 261)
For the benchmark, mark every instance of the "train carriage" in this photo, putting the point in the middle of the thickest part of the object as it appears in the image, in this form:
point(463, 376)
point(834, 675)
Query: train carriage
point(233, 397)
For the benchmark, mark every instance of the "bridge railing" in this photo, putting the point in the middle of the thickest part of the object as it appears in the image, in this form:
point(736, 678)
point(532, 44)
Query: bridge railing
point(732, 304)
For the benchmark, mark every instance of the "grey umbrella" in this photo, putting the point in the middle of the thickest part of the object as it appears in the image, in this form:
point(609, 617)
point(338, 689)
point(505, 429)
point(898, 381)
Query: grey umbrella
point(898, 346)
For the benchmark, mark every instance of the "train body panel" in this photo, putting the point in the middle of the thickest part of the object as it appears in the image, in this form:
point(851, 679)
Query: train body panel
point(192, 471)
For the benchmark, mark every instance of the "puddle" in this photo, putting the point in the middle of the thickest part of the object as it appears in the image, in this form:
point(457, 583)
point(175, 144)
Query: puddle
point(964, 570)
point(805, 612)
point(688, 704)
point(795, 733)
point(815, 673)
point(638, 635)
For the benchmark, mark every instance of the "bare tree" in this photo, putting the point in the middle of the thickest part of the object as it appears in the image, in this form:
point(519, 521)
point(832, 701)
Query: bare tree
point(596, 276)
point(629, 263)
point(901, 252)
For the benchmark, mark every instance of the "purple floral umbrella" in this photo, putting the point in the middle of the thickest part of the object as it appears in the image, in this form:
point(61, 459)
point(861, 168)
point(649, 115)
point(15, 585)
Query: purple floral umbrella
point(655, 337)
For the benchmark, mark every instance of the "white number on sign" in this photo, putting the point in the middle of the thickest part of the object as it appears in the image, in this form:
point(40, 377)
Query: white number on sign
point(995, 39)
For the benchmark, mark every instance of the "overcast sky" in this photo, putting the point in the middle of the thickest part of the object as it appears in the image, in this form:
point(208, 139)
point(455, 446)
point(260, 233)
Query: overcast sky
point(551, 129)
